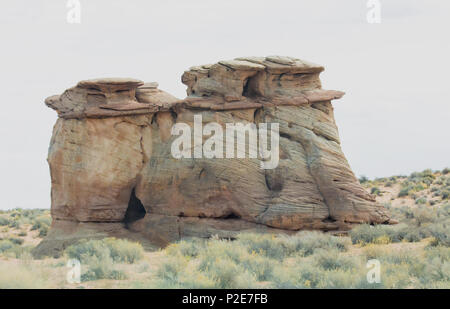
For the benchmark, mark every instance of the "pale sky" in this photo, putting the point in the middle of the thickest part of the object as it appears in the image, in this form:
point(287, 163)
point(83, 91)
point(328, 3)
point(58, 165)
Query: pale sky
point(393, 120)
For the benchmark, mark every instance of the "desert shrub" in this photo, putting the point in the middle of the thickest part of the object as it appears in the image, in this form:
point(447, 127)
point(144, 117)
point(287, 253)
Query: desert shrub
point(303, 274)
point(229, 275)
point(15, 223)
point(345, 272)
point(373, 251)
point(100, 267)
point(440, 252)
point(259, 266)
point(445, 171)
point(275, 247)
point(434, 271)
point(100, 256)
point(85, 249)
point(303, 243)
point(378, 234)
point(124, 251)
point(4, 221)
point(421, 201)
point(22, 234)
point(119, 250)
point(363, 179)
point(333, 260)
point(6, 245)
point(306, 242)
point(424, 215)
point(43, 230)
point(41, 222)
point(171, 268)
point(174, 272)
point(404, 191)
point(375, 191)
point(441, 234)
point(383, 240)
point(440, 180)
point(401, 256)
point(364, 234)
point(217, 267)
point(19, 251)
point(445, 194)
point(16, 241)
point(345, 279)
point(422, 176)
point(191, 247)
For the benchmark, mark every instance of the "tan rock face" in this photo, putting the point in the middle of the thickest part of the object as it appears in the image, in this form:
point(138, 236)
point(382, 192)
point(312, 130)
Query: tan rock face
point(110, 156)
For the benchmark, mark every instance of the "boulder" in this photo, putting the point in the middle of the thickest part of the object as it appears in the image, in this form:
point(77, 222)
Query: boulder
point(113, 170)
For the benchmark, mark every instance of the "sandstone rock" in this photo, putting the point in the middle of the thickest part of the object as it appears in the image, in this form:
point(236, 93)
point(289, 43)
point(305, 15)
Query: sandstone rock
point(113, 173)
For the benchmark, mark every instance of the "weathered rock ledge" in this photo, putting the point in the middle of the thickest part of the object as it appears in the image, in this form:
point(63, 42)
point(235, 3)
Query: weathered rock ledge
point(113, 173)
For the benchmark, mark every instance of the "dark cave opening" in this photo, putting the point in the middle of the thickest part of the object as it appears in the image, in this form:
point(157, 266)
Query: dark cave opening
point(231, 215)
point(249, 90)
point(135, 210)
point(329, 219)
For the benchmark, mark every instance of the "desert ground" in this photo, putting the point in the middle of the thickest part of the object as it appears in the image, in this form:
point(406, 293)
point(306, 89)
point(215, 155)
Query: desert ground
point(414, 253)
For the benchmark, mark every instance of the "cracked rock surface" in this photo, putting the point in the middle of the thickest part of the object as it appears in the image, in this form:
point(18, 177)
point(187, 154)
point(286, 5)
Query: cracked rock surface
point(113, 174)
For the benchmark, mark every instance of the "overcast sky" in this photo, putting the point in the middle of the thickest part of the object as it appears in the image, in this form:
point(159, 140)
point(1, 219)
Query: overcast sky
point(394, 118)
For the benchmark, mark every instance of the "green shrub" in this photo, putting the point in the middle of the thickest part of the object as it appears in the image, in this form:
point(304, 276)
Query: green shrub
point(421, 201)
point(16, 241)
point(119, 250)
point(259, 266)
point(6, 245)
point(303, 274)
point(100, 256)
point(404, 191)
point(124, 251)
point(230, 275)
point(191, 247)
point(307, 242)
point(4, 221)
point(333, 260)
point(43, 230)
point(15, 223)
point(303, 243)
point(375, 191)
point(268, 245)
point(363, 179)
point(365, 234)
point(85, 249)
point(41, 222)
point(441, 235)
point(101, 267)
point(171, 268)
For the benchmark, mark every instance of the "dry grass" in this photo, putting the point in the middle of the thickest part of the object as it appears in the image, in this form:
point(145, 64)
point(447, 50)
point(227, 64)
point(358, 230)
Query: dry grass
point(413, 254)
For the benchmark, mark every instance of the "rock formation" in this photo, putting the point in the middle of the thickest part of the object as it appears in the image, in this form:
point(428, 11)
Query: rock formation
point(113, 174)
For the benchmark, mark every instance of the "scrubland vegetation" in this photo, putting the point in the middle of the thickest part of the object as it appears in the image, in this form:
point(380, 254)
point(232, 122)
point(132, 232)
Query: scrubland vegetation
point(413, 254)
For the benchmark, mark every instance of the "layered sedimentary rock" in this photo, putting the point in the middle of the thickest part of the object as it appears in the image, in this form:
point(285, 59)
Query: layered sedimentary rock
point(111, 162)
